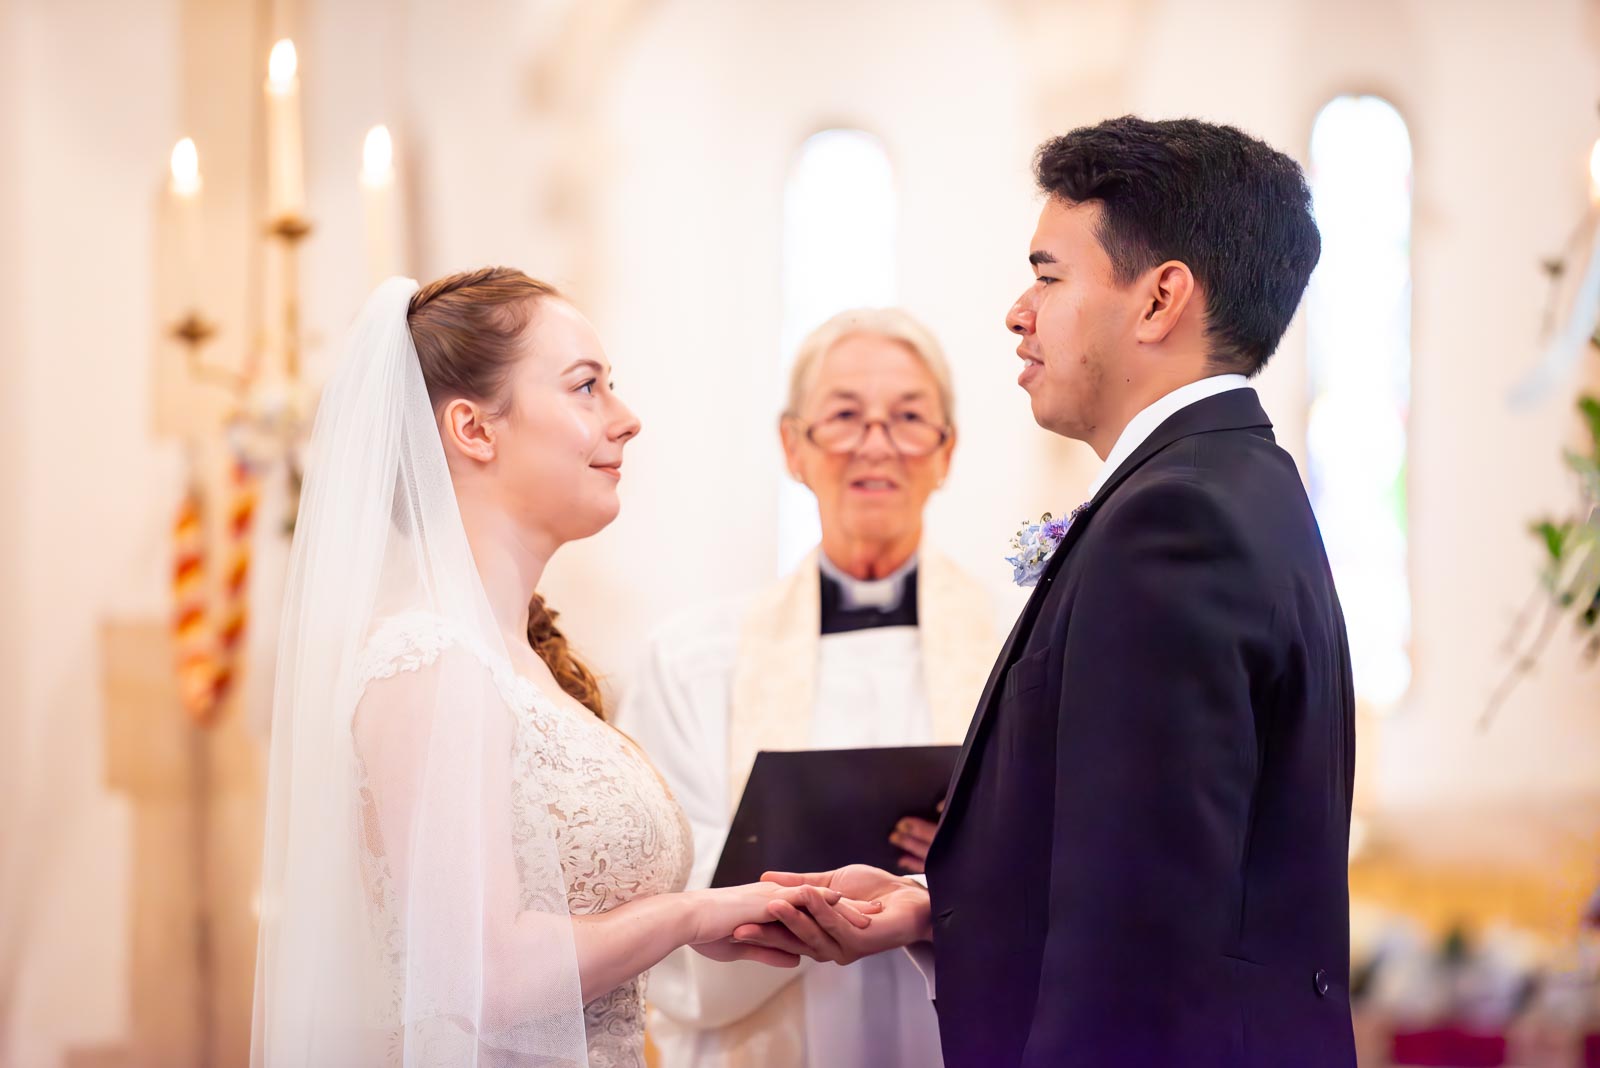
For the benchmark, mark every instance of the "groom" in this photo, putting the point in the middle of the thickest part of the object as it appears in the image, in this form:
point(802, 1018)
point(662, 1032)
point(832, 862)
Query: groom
point(1142, 859)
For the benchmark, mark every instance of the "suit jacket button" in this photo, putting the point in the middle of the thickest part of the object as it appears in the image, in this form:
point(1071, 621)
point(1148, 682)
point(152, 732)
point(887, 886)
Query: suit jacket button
point(1320, 981)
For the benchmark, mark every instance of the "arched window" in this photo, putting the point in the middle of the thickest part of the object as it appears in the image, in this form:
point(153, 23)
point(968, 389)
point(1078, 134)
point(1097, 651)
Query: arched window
point(839, 211)
point(1358, 319)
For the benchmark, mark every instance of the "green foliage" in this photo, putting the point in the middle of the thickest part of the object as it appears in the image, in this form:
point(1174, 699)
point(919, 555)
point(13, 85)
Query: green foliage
point(1571, 571)
point(1590, 408)
point(1554, 537)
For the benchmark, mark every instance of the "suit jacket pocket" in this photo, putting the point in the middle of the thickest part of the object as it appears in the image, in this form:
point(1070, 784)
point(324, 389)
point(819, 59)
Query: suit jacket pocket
point(1027, 673)
point(1279, 1008)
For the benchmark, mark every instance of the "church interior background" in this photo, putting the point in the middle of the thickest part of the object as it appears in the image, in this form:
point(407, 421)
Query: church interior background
point(193, 211)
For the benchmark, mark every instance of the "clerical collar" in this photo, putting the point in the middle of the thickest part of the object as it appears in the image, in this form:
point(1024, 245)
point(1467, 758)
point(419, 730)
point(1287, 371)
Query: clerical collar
point(849, 603)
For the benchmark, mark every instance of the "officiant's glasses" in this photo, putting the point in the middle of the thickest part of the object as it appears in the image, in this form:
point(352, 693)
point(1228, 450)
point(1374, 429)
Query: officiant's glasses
point(908, 432)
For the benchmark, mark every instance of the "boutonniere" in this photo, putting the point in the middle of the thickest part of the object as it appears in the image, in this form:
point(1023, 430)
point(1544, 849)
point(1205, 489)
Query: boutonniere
point(1035, 543)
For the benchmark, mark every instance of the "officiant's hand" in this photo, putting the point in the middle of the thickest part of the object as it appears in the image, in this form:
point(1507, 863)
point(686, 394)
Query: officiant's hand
point(914, 835)
point(822, 931)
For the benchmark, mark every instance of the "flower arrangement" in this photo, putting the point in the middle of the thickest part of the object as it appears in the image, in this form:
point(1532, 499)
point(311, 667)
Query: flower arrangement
point(1035, 543)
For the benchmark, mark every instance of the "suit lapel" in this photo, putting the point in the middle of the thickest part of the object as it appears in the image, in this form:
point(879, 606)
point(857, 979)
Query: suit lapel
point(1019, 633)
point(1237, 409)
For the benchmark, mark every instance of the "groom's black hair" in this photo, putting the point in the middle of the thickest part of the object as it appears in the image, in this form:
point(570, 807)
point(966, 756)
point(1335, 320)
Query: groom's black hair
point(1232, 208)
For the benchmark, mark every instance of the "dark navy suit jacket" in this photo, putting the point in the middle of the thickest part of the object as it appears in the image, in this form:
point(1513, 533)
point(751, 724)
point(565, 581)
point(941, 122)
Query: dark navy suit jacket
point(1142, 860)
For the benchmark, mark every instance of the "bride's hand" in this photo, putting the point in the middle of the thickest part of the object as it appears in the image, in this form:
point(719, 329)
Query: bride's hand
point(726, 949)
point(715, 913)
point(813, 929)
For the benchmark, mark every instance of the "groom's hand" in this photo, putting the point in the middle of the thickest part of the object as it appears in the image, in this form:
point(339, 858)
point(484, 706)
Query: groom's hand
point(819, 930)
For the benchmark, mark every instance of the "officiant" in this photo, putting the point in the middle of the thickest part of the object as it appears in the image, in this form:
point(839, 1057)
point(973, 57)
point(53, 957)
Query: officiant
point(874, 640)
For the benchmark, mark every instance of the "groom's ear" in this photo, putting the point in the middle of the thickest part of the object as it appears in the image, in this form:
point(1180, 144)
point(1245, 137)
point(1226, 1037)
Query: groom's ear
point(465, 427)
point(1168, 291)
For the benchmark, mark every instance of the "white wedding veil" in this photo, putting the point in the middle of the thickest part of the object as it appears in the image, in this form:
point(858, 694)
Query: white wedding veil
point(398, 923)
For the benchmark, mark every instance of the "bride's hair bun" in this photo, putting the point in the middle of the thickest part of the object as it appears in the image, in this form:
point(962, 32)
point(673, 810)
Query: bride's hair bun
point(468, 329)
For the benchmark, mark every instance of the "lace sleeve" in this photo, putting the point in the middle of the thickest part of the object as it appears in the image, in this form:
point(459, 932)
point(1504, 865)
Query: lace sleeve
point(468, 970)
point(410, 641)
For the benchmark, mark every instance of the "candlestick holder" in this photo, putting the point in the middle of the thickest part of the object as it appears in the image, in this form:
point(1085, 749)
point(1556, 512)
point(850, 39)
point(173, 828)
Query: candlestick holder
point(289, 230)
point(262, 429)
point(194, 331)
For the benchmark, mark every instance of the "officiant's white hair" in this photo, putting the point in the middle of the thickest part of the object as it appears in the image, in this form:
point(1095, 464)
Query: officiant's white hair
point(893, 323)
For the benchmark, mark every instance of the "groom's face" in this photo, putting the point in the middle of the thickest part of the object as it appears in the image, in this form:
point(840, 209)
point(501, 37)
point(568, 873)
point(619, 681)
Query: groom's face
point(1073, 322)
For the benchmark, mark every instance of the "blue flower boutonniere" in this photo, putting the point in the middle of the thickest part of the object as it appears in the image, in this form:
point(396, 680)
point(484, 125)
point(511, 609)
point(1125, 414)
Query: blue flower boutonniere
point(1035, 543)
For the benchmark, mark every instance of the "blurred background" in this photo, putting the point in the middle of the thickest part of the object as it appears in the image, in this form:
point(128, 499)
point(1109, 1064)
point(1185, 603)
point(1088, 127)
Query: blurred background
point(192, 210)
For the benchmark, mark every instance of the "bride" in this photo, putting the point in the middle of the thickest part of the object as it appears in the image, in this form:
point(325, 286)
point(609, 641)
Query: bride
point(465, 864)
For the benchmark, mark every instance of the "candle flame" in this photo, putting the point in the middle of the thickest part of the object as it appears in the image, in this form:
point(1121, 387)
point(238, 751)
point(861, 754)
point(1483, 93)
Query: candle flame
point(282, 65)
point(185, 168)
point(377, 155)
point(1594, 173)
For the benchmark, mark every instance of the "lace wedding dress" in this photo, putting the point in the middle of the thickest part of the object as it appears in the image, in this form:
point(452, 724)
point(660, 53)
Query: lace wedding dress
point(618, 831)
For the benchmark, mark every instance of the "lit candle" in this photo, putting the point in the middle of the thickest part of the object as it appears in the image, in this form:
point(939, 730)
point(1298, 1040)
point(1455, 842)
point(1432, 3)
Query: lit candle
point(286, 180)
point(185, 192)
point(380, 203)
point(1594, 173)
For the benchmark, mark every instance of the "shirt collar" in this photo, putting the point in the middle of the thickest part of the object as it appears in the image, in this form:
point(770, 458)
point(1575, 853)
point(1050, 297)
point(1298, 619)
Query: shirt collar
point(883, 594)
point(1144, 424)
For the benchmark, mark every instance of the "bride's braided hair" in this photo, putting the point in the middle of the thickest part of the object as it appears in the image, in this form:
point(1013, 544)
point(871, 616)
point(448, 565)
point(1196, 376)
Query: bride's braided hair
point(467, 328)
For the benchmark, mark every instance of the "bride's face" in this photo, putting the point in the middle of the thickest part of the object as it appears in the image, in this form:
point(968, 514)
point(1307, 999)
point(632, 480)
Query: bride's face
point(558, 445)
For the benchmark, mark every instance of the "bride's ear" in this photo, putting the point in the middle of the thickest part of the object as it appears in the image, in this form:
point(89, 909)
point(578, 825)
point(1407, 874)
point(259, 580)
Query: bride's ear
point(465, 427)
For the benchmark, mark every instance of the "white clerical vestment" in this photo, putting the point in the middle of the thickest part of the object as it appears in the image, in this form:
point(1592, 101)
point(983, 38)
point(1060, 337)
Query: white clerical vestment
point(727, 680)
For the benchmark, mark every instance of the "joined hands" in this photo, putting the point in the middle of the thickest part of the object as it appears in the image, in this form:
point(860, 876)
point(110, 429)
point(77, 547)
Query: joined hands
point(827, 916)
point(839, 916)
point(716, 912)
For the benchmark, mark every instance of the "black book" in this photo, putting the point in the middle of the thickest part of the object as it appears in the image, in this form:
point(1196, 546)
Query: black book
point(820, 809)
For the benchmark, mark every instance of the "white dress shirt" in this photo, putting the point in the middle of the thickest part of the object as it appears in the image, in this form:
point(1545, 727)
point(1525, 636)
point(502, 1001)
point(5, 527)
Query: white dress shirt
point(1144, 424)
